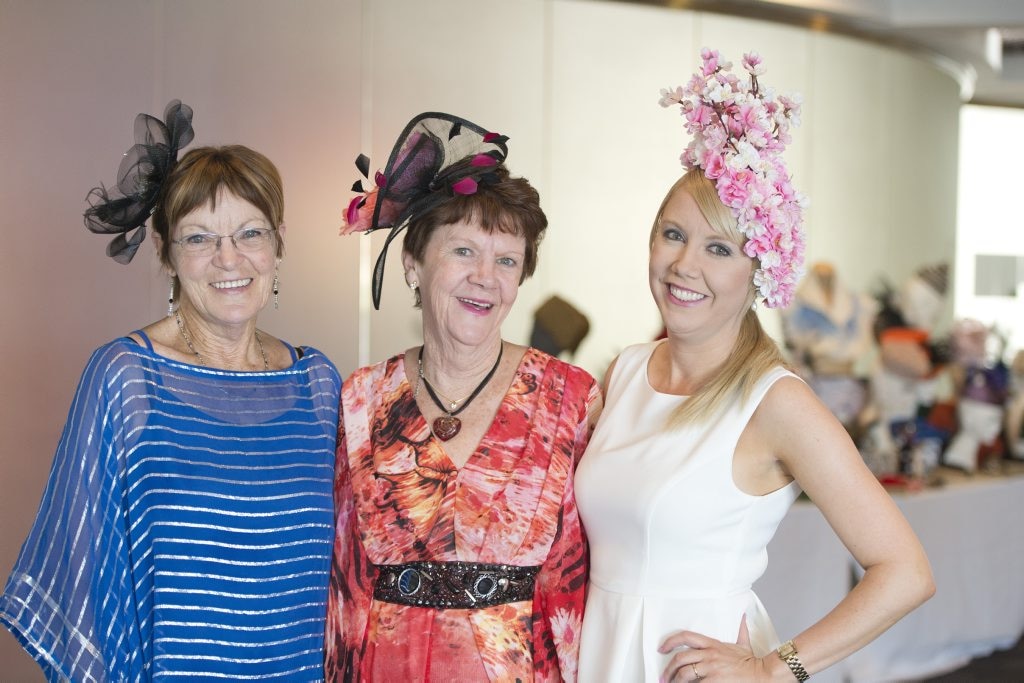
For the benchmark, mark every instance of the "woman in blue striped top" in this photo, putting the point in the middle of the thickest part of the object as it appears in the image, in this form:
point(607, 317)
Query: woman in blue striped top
point(185, 531)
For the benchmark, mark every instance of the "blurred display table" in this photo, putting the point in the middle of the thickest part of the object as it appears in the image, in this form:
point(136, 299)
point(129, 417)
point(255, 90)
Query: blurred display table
point(971, 530)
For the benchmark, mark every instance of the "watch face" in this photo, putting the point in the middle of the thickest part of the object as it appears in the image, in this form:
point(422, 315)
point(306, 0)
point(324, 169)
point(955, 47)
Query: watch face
point(787, 649)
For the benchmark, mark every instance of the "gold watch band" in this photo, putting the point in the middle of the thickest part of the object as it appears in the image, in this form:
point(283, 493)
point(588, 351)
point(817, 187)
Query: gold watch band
point(787, 653)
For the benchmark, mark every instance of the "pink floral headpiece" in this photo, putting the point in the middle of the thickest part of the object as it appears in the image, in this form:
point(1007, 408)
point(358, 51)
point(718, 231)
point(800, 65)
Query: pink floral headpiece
point(739, 133)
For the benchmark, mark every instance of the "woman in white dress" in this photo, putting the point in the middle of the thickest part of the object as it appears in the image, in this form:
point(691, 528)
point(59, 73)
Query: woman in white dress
point(706, 439)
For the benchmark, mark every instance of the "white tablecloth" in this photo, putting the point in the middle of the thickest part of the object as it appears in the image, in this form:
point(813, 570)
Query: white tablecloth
point(972, 533)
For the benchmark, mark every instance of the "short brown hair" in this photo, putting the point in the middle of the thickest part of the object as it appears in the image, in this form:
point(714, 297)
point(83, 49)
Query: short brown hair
point(510, 205)
point(199, 176)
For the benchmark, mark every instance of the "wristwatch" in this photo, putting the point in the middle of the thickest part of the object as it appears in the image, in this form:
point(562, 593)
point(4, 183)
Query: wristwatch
point(787, 653)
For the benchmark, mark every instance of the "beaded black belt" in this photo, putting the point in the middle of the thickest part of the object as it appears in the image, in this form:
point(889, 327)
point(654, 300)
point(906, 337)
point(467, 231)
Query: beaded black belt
point(453, 585)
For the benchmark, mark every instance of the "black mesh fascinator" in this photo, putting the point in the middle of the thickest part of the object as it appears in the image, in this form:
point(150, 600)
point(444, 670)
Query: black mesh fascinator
point(436, 157)
point(142, 174)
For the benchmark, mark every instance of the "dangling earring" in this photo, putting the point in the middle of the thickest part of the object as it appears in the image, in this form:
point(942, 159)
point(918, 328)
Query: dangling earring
point(753, 306)
point(170, 298)
point(277, 289)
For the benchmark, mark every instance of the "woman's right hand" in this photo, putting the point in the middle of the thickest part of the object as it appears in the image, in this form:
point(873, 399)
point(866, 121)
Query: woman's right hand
point(706, 659)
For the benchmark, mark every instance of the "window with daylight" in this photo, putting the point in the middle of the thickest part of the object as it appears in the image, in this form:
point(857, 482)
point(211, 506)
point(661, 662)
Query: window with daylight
point(989, 282)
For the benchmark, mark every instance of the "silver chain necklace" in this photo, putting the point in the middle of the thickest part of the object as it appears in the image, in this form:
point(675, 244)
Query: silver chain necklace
point(199, 356)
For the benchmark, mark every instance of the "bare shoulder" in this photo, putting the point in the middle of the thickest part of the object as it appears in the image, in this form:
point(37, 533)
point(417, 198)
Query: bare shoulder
point(786, 394)
point(279, 354)
point(607, 377)
point(162, 334)
point(796, 426)
point(788, 403)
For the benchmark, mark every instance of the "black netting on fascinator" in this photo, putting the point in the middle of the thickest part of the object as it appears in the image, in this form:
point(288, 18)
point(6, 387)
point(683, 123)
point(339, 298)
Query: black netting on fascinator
point(140, 178)
point(437, 156)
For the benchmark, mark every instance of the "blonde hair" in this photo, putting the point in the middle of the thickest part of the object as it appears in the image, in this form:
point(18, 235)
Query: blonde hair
point(754, 353)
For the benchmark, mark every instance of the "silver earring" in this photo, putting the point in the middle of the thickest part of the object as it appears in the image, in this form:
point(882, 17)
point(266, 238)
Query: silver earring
point(170, 298)
point(413, 286)
point(277, 289)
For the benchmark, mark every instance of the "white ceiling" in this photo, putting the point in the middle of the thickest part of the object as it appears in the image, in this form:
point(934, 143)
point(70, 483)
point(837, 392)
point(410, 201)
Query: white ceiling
point(980, 42)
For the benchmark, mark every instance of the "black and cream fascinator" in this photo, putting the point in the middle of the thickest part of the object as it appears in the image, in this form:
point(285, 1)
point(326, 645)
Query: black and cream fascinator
point(437, 156)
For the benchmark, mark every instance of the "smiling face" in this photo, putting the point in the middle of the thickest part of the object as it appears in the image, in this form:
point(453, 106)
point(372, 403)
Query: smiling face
point(468, 280)
point(700, 278)
point(229, 287)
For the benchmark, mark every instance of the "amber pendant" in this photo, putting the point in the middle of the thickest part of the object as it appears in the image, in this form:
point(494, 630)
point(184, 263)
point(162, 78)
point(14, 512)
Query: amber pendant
point(446, 427)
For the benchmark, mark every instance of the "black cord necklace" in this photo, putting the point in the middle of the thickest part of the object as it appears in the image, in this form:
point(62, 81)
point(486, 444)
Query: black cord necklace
point(448, 426)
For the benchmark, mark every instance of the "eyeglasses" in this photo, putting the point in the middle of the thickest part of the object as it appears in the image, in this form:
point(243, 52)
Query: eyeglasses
point(244, 239)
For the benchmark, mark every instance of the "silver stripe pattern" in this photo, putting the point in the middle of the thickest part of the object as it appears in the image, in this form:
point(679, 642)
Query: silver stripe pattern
point(185, 531)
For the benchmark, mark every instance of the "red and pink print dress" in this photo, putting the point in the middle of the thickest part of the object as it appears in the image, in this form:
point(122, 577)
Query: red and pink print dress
point(399, 499)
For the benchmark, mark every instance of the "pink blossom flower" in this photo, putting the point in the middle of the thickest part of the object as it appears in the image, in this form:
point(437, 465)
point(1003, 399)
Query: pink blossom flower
point(734, 187)
point(670, 97)
point(746, 155)
point(752, 63)
point(713, 163)
point(701, 115)
point(710, 58)
point(770, 259)
point(735, 128)
point(758, 244)
point(716, 137)
point(717, 92)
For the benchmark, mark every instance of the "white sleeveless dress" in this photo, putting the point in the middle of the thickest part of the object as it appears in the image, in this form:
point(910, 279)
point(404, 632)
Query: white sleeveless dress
point(674, 544)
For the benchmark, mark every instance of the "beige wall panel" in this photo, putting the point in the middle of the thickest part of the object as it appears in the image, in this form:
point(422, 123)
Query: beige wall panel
point(72, 80)
point(850, 186)
point(921, 156)
point(284, 79)
point(885, 128)
point(613, 153)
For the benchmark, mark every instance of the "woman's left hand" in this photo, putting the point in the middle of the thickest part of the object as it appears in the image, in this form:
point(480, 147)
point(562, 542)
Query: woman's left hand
point(705, 658)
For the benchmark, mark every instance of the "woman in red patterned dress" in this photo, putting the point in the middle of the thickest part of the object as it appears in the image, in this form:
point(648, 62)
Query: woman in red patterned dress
point(459, 554)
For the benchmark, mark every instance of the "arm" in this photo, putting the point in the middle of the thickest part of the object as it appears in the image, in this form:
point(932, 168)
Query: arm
point(606, 380)
point(815, 449)
point(352, 578)
point(812, 447)
point(69, 600)
point(561, 584)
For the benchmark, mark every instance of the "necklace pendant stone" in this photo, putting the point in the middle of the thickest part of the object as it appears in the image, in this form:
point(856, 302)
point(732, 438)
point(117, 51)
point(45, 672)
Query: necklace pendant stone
point(447, 427)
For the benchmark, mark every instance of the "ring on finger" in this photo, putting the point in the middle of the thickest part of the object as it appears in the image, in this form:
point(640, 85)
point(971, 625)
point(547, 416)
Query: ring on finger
point(697, 676)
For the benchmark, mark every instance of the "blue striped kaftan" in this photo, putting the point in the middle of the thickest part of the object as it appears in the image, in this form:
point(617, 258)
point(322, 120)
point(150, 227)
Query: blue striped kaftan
point(185, 531)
